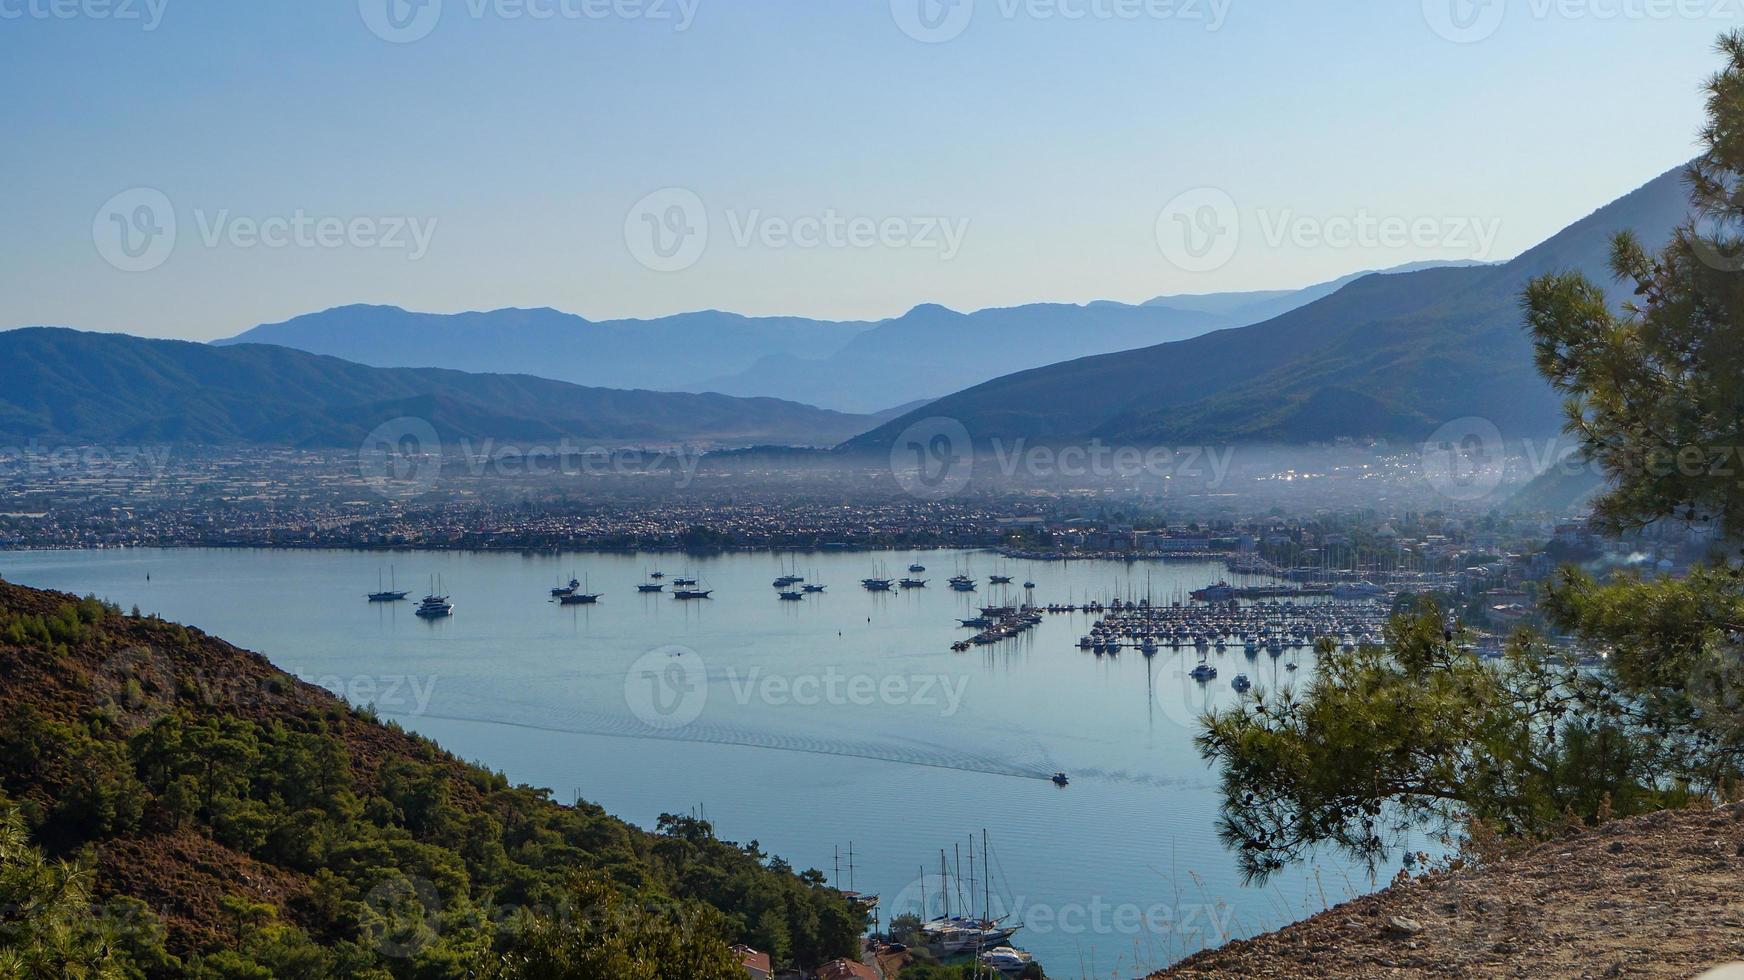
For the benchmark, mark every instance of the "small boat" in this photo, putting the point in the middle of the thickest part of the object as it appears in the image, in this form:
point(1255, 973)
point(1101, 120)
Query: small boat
point(792, 596)
point(1204, 672)
point(1241, 684)
point(656, 575)
point(963, 586)
point(787, 580)
point(1029, 585)
point(812, 589)
point(692, 593)
point(914, 583)
point(579, 599)
point(876, 584)
point(651, 587)
point(1290, 666)
point(1006, 959)
point(435, 607)
point(1060, 779)
point(683, 581)
point(999, 579)
point(917, 568)
point(563, 590)
point(380, 594)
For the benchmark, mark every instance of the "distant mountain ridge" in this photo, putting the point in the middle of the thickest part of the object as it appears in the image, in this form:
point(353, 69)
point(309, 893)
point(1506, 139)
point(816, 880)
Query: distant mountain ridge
point(666, 354)
point(1385, 356)
point(59, 385)
point(852, 366)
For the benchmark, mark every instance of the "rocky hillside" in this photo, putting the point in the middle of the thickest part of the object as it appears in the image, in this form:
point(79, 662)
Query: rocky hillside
point(237, 820)
point(1654, 896)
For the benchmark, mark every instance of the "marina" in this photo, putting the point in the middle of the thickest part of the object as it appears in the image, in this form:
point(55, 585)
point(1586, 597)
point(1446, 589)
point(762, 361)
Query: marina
point(1027, 736)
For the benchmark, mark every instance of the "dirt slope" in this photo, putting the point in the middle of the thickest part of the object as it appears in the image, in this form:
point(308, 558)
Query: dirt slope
point(1654, 896)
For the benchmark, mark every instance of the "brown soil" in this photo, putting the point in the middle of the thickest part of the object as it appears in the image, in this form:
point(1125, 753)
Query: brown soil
point(1654, 896)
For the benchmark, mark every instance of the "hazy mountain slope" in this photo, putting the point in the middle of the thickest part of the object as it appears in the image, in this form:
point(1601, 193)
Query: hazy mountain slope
point(931, 350)
point(1258, 306)
point(1387, 355)
point(669, 353)
point(848, 366)
point(64, 385)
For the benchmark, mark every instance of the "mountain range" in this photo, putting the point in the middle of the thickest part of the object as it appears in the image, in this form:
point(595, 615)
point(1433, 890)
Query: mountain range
point(67, 386)
point(850, 366)
point(1385, 356)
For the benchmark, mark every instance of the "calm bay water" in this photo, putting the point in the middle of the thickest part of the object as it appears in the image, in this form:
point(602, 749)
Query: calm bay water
point(804, 725)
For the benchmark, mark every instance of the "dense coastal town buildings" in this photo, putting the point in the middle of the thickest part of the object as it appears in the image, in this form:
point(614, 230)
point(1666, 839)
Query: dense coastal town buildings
point(1351, 516)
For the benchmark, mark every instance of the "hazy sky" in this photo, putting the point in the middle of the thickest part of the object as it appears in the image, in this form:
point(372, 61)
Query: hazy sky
point(193, 167)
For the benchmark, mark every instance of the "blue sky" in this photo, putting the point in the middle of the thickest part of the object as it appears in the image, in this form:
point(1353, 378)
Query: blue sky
point(482, 155)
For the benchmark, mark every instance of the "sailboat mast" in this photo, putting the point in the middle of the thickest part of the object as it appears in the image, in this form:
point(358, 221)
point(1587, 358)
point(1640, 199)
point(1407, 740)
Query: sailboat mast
point(959, 858)
point(986, 878)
